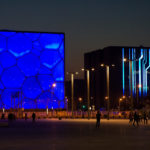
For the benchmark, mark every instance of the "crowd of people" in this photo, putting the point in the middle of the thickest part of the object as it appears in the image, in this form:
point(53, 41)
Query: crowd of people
point(135, 118)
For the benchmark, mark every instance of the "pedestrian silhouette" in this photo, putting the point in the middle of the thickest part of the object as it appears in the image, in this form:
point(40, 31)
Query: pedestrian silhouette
point(136, 119)
point(145, 117)
point(25, 116)
point(33, 117)
point(98, 117)
point(130, 118)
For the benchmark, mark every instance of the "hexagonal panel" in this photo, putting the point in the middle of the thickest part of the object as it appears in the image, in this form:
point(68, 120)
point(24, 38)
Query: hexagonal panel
point(7, 59)
point(12, 78)
point(29, 64)
point(50, 58)
point(19, 45)
point(50, 41)
point(31, 88)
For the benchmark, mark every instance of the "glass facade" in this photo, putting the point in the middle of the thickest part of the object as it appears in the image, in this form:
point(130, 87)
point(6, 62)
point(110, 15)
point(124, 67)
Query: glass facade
point(30, 63)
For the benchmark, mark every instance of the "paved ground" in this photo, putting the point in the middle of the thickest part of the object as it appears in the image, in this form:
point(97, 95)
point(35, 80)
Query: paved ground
point(74, 134)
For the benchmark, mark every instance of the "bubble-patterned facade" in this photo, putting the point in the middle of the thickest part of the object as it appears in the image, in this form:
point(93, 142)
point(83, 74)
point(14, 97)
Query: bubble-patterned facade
point(30, 63)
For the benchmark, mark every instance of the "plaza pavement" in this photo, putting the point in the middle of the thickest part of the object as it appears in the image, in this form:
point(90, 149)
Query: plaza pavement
point(74, 134)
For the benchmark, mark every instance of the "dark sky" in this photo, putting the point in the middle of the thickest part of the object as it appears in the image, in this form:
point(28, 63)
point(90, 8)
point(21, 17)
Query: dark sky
point(88, 24)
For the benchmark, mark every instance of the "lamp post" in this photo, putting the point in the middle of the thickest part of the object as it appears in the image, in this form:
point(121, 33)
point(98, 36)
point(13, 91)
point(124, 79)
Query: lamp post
point(107, 84)
point(51, 87)
point(119, 103)
point(88, 89)
point(72, 91)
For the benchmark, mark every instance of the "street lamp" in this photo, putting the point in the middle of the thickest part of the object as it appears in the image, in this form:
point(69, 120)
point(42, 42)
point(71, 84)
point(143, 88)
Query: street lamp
point(72, 90)
point(88, 88)
point(107, 82)
point(51, 92)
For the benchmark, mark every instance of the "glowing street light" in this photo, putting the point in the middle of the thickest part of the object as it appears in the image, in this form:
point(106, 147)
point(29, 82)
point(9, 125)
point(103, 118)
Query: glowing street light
point(72, 90)
point(88, 88)
point(107, 82)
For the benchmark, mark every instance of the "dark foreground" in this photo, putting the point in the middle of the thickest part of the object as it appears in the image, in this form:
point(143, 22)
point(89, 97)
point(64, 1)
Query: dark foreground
point(70, 134)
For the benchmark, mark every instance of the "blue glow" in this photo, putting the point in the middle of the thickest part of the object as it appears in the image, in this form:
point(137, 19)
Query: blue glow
point(123, 72)
point(129, 75)
point(133, 91)
point(18, 54)
point(29, 64)
point(52, 46)
point(140, 82)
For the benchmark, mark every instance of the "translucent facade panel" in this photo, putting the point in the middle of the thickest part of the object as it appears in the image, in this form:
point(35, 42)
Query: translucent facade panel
point(19, 45)
point(29, 64)
point(10, 59)
point(31, 88)
point(12, 78)
point(50, 58)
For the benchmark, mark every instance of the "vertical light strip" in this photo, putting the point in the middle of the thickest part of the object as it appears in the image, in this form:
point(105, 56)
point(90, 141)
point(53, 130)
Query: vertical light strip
point(144, 74)
point(140, 73)
point(135, 71)
point(123, 72)
point(132, 72)
point(129, 76)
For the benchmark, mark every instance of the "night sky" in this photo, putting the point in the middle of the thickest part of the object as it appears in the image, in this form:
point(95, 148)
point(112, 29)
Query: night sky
point(88, 24)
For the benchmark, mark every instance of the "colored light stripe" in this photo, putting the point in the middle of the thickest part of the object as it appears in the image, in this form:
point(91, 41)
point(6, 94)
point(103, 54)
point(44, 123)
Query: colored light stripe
point(140, 72)
point(129, 75)
point(123, 72)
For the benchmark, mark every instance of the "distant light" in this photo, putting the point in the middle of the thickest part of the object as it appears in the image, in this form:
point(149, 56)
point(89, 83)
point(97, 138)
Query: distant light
point(106, 97)
point(139, 86)
point(125, 59)
point(90, 108)
point(124, 97)
point(3, 110)
point(76, 73)
point(54, 85)
point(47, 111)
point(113, 65)
point(93, 69)
point(82, 69)
point(102, 65)
point(80, 99)
point(120, 99)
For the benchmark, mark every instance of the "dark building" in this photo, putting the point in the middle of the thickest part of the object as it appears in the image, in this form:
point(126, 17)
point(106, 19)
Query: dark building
point(79, 94)
point(126, 64)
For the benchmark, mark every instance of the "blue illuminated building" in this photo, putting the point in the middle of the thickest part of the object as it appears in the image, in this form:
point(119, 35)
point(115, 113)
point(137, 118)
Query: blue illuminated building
point(30, 63)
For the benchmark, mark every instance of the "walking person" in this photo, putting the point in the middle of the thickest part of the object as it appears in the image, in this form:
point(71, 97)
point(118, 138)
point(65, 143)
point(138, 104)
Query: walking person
point(136, 119)
point(145, 118)
point(33, 117)
point(98, 117)
point(130, 118)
